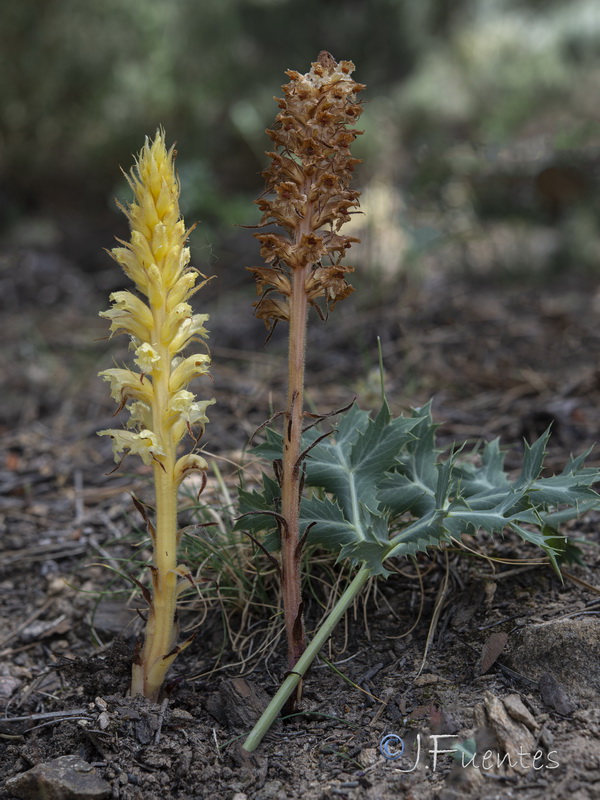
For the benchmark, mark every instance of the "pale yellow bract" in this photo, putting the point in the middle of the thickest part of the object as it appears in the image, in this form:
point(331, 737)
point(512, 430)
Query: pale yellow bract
point(162, 409)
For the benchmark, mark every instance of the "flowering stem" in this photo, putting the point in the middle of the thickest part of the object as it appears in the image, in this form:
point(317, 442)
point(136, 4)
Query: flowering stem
point(291, 472)
point(148, 675)
point(308, 196)
point(160, 323)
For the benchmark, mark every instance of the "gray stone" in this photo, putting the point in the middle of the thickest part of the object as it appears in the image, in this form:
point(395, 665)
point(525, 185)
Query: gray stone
point(569, 649)
point(63, 778)
point(8, 685)
point(112, 617)
point(518, 711)
point(554, 695)
point(512, 736)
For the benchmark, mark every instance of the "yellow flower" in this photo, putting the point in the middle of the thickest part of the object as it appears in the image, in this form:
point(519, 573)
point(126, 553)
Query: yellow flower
point(161, 407)
point(186, 369)
point(129, 315)
point(143, 444)
point(146, 357)
point(126, 385)
point(188, 329)
point(189, 463)
point(157, 260)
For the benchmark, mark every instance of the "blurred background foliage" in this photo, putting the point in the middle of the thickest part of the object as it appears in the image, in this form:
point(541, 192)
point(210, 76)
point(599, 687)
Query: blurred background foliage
point(481, 148)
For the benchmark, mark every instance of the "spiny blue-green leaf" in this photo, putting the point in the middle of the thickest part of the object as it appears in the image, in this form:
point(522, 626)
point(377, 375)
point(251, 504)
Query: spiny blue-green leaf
point(369, 554)
point(486, 478)
point(575, 466)
point(555, 519)
point(350, 425)
point(461, 519)
point(370, 548)
point(352, 464)
point(272, 446)
point(547, 543)
point(491, 498)
point(429, 531)
point(412, 483)
point(399, 493)
point(266, 500)
point(272, 541)
point(326, 463)
point(533, 459)
point(375, 471)
point(492, 460)
point(560, 490)
point(441, 490)
point(379, 443)
point(419, 460)
point(332, 530)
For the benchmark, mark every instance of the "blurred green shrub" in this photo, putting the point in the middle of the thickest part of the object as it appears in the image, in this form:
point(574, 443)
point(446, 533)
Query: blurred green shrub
point(460, 93)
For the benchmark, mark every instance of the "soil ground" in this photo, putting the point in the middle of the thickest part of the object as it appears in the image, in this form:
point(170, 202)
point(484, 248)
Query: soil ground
point(500, 359)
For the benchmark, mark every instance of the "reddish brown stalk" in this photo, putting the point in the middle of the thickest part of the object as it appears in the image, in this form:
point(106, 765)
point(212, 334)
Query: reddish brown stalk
point(308, 195)
point(291, 472)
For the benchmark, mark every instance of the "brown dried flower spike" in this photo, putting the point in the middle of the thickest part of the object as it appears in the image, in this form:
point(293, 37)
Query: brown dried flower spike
point(307, 189)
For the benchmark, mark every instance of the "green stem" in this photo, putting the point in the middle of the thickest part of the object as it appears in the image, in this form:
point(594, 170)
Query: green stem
point(290, 683)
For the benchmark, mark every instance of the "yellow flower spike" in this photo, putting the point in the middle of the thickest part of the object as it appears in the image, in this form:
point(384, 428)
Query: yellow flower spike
point(190, 414)
point(160, 248)
point(161, 407)
point(156, 287)
point(140, 416)
point(140, 246)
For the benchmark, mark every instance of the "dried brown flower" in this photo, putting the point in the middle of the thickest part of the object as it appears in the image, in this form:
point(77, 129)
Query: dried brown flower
point(308, 196)
point(307, 188)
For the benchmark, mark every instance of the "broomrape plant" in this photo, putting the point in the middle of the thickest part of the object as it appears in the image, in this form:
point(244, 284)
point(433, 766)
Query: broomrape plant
point(161, 408)
point(307, 195)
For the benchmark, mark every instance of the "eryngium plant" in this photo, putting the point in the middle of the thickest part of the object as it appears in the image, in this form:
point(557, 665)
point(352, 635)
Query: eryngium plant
point(308, 196)
point(156, 395)
point(384, 491)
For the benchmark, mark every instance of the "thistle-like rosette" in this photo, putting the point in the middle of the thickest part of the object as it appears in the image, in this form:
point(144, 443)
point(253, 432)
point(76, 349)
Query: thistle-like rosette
point(308, 188)
point(162, 324)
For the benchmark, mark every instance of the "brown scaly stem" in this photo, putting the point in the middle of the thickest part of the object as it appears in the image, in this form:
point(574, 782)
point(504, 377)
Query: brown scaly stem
point(308, 181)
point(291, 473)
